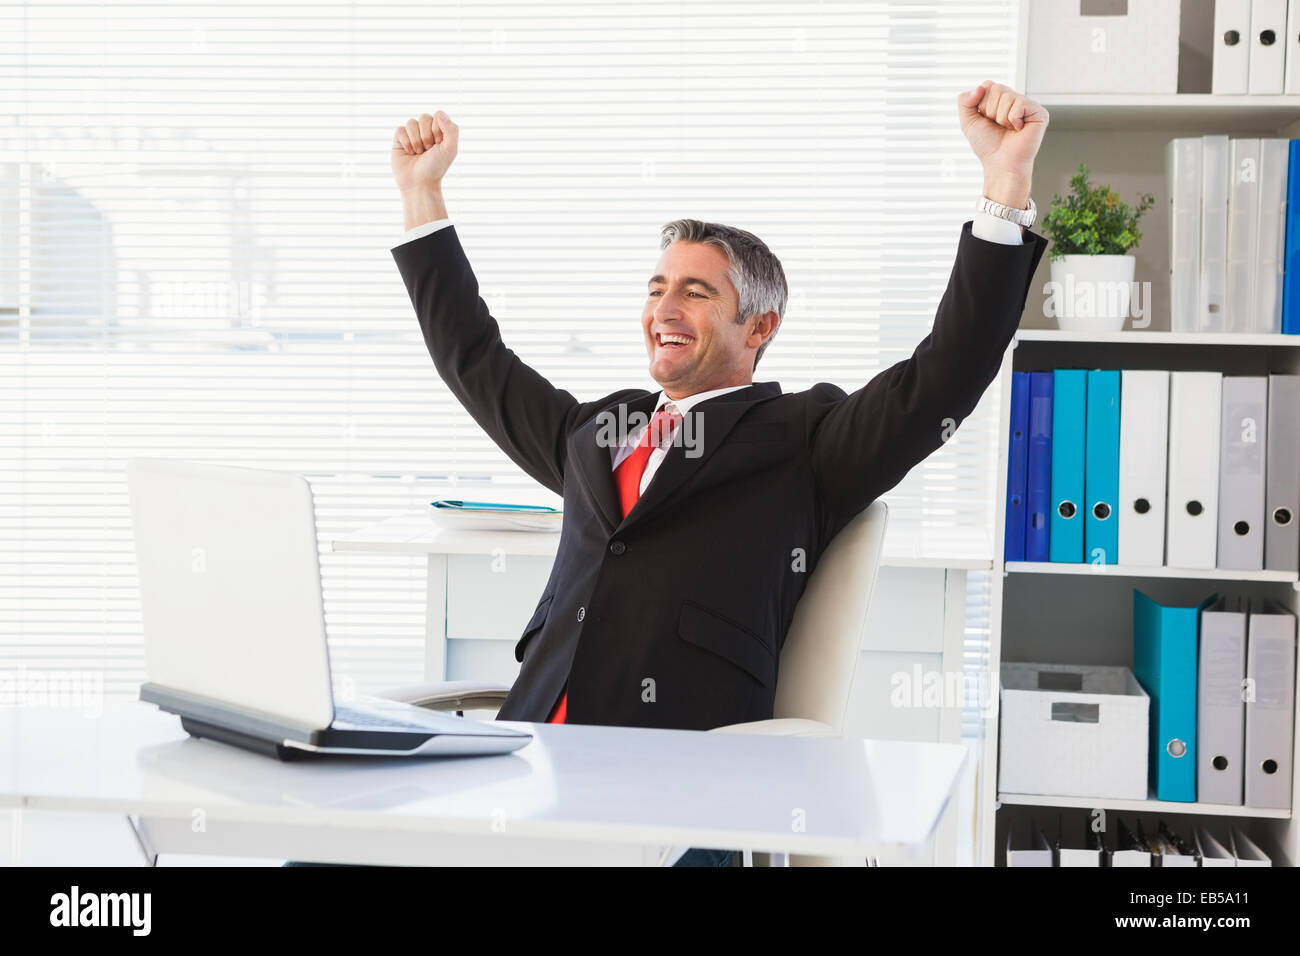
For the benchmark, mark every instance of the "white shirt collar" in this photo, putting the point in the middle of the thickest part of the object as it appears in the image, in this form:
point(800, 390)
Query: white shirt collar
point(684, 404)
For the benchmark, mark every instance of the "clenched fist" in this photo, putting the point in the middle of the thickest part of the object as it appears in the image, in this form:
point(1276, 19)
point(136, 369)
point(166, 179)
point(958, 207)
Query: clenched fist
point(1005, 129)
point(423, 149)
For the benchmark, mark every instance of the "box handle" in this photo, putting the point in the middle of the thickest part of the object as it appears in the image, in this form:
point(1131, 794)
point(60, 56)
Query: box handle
point(1103, 8)
point(1076, 713)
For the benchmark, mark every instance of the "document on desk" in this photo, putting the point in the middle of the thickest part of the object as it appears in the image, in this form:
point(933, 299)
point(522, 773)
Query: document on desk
point(496, 516)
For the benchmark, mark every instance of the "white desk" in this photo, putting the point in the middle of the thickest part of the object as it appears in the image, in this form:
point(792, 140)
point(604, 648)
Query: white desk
point(495, 561)
point(419, 532)
point(576, 794)
point(482, 587)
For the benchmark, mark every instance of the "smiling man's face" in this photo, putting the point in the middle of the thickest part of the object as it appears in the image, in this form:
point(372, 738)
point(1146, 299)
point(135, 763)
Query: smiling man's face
point(691, 335)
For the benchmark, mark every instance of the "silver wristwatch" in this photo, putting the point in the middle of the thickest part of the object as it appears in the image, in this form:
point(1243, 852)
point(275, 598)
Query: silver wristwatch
point(1021, 217)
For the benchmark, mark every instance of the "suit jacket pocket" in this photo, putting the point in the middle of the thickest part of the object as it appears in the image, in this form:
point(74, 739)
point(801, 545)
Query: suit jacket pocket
point(534, 625)
point(704, 628)
point(758, 431)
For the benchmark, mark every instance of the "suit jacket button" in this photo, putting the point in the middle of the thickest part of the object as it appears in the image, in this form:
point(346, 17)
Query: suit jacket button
point(618, 547)
point(582, 612)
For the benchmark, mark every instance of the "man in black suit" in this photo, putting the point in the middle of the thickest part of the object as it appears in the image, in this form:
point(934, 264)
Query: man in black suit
point(688, 536)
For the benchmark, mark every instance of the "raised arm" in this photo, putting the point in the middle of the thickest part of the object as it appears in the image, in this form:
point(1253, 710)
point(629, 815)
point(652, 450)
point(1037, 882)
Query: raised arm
point(865, 443)
point(522, 412)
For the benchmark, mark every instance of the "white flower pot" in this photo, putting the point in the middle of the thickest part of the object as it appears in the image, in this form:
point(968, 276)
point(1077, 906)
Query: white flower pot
point(1091, 293)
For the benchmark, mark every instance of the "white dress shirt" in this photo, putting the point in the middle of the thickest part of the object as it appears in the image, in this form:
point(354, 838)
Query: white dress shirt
point(983, 226)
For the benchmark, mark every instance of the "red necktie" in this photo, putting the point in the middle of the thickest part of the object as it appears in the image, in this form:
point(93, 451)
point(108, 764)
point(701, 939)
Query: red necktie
point(627, 476)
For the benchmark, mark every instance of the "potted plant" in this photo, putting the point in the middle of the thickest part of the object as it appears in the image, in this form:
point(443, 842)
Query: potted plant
point(1091, 270)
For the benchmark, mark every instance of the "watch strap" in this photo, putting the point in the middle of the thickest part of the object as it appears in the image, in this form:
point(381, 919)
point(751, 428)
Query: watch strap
point(1021, 217)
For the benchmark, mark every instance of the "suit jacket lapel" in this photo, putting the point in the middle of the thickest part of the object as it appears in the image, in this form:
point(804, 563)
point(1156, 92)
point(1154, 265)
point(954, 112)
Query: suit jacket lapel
point(712, 420)
point(593, 458)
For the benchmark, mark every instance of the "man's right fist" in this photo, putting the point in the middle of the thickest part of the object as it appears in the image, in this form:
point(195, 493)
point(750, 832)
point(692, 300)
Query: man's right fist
point(423, 149)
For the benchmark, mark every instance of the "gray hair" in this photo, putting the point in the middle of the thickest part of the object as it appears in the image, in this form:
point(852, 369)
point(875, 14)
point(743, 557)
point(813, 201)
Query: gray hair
point(754, 270)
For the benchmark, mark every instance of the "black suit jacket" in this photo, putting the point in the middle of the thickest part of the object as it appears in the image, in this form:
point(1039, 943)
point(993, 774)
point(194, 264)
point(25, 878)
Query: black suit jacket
point(675, 615)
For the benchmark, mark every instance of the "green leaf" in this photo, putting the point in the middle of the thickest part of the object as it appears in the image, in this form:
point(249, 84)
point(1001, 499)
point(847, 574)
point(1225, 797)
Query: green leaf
point(1093, 220)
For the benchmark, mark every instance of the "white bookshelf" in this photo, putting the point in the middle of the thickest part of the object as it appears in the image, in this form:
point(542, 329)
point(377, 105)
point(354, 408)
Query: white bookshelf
point(1076, 613)
point(1135, 571)
point(1172, 111)
point(1145, 336)
point(1149, 805)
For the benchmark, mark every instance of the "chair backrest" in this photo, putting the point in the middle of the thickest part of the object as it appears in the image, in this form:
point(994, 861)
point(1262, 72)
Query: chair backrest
point(822, 646)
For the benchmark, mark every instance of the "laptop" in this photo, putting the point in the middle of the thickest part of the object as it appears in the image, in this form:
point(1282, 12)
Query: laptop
point(234, 623)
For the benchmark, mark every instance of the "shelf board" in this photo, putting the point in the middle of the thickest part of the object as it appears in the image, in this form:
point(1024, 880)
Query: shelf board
point(1170, 111)
point(1149, 804)
point(1145, 337)
point(1135, 571)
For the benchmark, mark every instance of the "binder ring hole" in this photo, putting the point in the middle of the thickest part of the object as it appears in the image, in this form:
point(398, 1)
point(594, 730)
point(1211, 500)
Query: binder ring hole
point(1241, 528)
point(1194, 508)
point(1141, 506)
point(1101, 511)
point(1269, 766)
point(1232, 38)
point(1267, 37)
point(1282, 517)
point(1066, 509)
point(1176, 748)
point(1220, 762)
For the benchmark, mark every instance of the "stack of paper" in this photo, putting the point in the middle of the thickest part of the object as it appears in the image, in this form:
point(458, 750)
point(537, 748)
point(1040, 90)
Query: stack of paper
point(496, 516)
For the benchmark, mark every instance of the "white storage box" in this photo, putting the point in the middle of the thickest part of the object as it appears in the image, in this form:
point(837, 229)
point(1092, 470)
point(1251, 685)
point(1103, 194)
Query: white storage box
point(1073, 731)
point(1102, 46)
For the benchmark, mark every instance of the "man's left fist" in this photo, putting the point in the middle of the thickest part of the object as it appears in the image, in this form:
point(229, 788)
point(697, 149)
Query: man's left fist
point(1005, 129)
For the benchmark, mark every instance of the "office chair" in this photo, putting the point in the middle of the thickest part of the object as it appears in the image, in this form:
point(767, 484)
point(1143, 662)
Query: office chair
point(818, 660)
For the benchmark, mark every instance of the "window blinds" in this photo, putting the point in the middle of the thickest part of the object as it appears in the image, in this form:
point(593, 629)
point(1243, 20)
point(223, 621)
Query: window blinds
point(196, 212)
